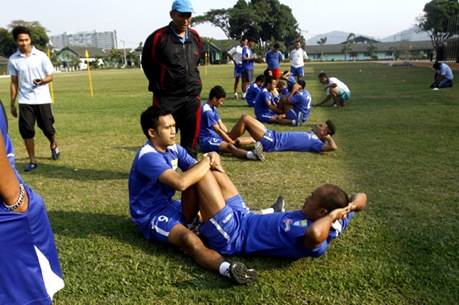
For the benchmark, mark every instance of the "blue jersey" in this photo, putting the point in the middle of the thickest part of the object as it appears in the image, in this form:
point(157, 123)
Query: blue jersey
point(282, 234)
point(252, 93)
point(247, 64)
point(260, 103)
point(291, 141)
point(147, 195)
point(273, 59)
point(29, 264)
point(302, 103)
point(209, 118)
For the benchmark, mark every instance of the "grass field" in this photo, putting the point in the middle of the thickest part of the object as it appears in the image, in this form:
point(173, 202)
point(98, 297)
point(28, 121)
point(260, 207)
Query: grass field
point(398, 141)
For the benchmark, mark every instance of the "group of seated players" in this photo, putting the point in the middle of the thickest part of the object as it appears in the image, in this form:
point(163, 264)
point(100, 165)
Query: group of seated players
point(279, 101)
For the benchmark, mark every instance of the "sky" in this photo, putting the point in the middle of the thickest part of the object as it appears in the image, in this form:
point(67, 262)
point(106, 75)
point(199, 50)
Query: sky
point(134, 20)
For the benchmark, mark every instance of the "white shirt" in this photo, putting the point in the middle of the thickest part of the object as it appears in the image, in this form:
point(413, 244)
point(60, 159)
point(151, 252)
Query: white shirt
point(340, 84)
point(34, 66)
point(298, 56)
point(236, 52)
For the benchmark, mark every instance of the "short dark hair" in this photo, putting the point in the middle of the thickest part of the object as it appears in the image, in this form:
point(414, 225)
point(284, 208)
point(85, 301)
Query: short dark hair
point(269, 79)
point(20, 30)
point(331, 127)
point(260, 78)
point(322, 75)
point(335, 198)
point(436, 65)
point(150, 118)
point(252, 39)
point(217, 92)
point(276, 46)
point(302, 83)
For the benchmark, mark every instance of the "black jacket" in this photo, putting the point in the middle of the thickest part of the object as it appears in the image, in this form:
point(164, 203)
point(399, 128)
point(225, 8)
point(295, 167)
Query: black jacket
point(170, 65)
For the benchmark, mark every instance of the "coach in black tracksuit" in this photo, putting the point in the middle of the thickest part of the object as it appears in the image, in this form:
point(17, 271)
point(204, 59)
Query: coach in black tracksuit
point(170, 60)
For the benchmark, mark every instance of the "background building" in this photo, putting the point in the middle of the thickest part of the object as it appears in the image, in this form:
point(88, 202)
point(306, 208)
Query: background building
point(103, 40)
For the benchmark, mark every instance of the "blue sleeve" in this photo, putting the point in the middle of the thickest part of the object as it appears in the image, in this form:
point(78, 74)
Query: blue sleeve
point(151, 165)
point(209, 119)
point(185, 160)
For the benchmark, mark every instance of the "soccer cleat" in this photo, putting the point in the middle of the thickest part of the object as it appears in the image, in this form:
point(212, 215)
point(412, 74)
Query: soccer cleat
point(258, 151)
point(55, 153)
point(31, 166)
point(235, 96)
point(279, 205)
point(299, 119)
point(241, 274)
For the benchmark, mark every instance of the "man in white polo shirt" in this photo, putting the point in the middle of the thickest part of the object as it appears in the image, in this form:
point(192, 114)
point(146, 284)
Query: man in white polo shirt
point(31, 71)
point(298, 56)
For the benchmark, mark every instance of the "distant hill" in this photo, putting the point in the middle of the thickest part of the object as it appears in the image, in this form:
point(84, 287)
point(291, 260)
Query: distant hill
point(336, 37)
point(409, 34)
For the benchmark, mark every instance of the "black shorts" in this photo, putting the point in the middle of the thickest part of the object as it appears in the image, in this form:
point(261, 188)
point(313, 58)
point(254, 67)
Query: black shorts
point(28, 114)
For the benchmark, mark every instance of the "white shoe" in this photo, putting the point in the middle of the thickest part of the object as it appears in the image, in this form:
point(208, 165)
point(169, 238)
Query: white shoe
point(258, 151)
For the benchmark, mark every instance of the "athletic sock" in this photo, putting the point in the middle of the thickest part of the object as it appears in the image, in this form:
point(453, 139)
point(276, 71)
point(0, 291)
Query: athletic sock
point(293, 122)
point(251, 155)
point(224, 269)
point(267, 211)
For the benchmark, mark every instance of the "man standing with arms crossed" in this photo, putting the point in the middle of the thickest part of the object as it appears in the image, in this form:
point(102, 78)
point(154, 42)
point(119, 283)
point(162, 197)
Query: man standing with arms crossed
point(31, 71)
point(235, 54)
point(170, 61)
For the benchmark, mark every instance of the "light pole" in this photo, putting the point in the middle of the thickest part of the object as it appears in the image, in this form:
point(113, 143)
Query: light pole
point(124, 50)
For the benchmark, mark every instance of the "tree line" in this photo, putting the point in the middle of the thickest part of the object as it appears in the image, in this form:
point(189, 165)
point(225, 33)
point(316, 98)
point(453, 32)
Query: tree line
point(268, 21)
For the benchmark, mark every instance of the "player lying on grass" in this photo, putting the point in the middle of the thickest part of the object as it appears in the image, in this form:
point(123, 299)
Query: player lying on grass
point(153, 181)
point(319, 139)
point(214, 135)
point(231, 228)
point(30, 268)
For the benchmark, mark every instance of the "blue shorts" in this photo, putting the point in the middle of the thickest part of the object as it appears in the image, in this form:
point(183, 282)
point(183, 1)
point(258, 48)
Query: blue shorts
point(210, 144)
point(223, 230)
point(162, 223)
point(291, 115)
point(343, 95)
point(297, 71)
point(238, 71)
point(268, 141)
point(266, 116)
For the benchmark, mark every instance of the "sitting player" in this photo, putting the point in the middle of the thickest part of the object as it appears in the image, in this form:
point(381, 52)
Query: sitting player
point(214, 136)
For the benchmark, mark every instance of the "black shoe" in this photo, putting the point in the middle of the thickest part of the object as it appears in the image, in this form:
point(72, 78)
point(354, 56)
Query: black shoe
point(279, 205)
point(241, 274)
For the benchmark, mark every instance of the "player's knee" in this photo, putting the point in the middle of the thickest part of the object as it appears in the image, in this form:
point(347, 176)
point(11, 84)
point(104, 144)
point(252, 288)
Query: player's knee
point(190, 243)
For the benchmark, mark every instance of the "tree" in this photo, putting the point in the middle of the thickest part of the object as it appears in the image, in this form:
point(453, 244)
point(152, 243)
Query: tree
point(264, 20)
point(371, 49)
point(435, 20)
point(347, 46)
point(37, 32)
point(7, 45)
point(40, 39)
point(321, 42)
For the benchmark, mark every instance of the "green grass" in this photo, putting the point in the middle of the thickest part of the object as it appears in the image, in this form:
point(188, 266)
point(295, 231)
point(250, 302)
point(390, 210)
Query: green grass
point(397, 141)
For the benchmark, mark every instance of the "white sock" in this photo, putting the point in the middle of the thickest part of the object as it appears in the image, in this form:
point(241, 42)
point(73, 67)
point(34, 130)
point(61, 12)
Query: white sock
point(224, 269)
point(293, 122)
point(243, 94)
point(267, 211)
point(251, 155)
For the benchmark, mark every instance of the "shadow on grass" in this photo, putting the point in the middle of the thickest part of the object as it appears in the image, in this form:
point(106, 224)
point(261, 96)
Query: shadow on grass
point(56, 171)
point(81, 225)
